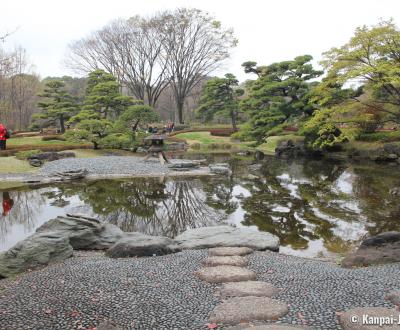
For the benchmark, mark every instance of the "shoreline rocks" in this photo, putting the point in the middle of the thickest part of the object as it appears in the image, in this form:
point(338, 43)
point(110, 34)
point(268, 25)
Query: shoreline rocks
point(379, 249)
point(56, 239)
point(226, 236)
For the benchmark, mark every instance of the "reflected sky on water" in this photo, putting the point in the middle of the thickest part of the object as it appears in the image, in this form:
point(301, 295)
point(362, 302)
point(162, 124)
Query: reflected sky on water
point(317, 208)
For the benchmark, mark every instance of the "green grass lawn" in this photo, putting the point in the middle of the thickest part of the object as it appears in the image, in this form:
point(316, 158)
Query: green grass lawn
point(204, 138)
point(14, 165)
point(36, 141)
point(272, 142)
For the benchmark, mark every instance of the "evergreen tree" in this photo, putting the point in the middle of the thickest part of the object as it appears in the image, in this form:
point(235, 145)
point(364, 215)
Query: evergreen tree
point(279, 95)
point(58, 105)
point(220, 96)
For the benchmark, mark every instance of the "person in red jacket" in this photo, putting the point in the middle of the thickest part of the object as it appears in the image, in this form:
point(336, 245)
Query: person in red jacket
point(8, 203)
point(3, 137)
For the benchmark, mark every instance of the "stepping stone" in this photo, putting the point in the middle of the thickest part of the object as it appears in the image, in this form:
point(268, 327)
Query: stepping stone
point(278, 327)
point(226, 260)
point(221, 274)
point(394, 297)
point(248, 288)
point(358, 318)
point(229, 251)
point(245, 309)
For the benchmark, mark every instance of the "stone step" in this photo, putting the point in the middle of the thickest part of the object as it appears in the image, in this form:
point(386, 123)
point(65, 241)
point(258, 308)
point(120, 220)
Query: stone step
point(248, 288)
point(226, 260)
point(358, 318)
point(278, 327)
point(245, 309)
point(229, 251)
point(222, 274)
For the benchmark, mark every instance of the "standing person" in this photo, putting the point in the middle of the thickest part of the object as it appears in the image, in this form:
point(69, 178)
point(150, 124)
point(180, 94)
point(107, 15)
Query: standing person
point(3, 137)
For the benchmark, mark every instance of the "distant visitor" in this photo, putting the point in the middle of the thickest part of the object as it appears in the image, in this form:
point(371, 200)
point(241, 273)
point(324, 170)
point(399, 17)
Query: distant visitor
point(4, 135)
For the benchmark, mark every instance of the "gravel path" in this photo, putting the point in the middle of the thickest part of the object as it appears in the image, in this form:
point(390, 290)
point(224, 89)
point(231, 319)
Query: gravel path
point(162, 292)
point(107, 165)
point(102, 167)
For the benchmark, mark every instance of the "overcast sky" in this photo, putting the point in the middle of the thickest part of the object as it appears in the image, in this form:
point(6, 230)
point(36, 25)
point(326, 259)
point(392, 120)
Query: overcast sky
point(268, 30)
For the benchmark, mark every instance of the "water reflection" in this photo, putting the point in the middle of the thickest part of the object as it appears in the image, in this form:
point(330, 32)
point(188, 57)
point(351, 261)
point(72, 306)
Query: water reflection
point(318, 209)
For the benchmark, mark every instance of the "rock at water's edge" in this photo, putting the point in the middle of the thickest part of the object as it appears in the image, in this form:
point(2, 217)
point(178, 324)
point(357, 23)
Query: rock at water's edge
point(83, 232)
point(227, 236)
point(37, 250)
point(379, 249)
point(140, 245)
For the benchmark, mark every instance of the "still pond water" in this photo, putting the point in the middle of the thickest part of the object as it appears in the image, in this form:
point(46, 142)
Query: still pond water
point(317, 208)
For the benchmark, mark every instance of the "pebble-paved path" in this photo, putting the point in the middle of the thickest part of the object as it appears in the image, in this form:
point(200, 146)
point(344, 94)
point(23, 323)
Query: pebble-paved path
point(102, 167)
point(164, 292)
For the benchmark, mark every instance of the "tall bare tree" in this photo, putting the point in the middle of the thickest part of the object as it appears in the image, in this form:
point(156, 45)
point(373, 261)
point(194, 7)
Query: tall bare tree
point(194, 45)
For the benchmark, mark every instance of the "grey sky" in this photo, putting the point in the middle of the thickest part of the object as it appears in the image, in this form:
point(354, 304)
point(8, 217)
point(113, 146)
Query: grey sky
point(268, 31)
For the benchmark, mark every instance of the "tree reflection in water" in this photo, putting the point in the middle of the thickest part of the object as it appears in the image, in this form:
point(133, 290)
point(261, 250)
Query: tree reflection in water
point(315, 207)
point(154, 206)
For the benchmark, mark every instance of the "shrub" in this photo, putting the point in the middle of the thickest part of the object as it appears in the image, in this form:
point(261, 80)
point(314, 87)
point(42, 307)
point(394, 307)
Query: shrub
point(388, 136)
point(116, 141)
point(53, 138)
point(26, 154)
point(222, 131)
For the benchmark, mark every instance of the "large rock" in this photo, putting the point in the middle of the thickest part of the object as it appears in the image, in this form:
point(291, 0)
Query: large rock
point(183, 164)
point(37, 250)
point(242, 309)
point(368, 318)
point(208, 237)
point(221, 168)
point(223, 274)
point(379, 249)
point(140, 245)
point(290, 149)
point(84, 233)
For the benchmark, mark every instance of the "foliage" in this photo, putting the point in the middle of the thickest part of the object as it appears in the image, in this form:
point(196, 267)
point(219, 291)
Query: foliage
point(134, 116)
point(371, 60)
point(386, 136)
point(53, 138)
point(103, 96)
point(281, 93)
point(58, 105)
point(220, 96)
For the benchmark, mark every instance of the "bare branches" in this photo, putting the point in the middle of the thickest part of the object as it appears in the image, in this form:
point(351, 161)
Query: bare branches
point(147, 55)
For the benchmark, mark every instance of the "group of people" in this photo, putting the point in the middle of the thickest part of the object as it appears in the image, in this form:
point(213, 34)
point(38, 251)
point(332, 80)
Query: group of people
point(4, 135)
point(169, 128)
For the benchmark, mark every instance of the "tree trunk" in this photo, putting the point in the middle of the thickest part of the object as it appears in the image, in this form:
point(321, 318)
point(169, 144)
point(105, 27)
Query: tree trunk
point(233, 118)
point(62, 124)
point(180, 111)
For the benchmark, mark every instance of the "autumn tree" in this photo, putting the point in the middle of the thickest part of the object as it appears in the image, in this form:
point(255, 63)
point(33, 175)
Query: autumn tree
point(220, 96)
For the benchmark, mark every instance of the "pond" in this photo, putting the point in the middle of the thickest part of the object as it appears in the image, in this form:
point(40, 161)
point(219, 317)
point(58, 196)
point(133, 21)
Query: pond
point(317, 208)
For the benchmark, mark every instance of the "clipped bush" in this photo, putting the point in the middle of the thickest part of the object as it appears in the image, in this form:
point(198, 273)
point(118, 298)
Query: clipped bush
point(116, 141)
point(53, 138)
point(384, 136)
point(23, 155)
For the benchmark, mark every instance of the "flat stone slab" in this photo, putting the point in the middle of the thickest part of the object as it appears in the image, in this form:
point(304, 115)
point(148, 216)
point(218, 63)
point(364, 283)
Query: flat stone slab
point(226, 260)
point(278, 327)
point(359, 318)
point(229, 251)
point(215, 236)
point(248, 288)
point(394, 297)
point(245, 309)
point(221, 274)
